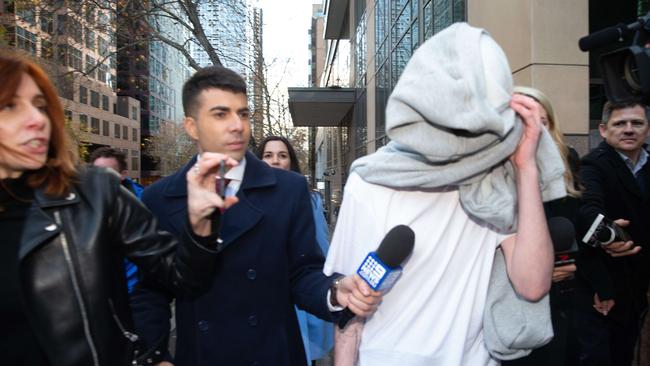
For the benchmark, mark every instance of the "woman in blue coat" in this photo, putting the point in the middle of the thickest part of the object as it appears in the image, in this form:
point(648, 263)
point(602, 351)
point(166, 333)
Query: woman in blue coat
point(317, 334)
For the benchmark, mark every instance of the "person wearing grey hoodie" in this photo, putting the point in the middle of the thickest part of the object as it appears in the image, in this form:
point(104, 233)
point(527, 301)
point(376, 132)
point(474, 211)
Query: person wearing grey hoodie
point(464, 170)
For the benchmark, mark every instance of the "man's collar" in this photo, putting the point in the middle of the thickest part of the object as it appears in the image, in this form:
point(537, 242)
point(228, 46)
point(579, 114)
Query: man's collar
point(237, 172)
point(634, 168)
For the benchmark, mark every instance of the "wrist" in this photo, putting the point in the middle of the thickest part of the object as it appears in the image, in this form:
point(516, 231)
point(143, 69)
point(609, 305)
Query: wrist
point(201, 227)
point(334, 291)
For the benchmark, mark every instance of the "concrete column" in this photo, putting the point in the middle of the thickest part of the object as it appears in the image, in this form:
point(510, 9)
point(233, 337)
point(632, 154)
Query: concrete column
point(370, 76)
point(540, 39)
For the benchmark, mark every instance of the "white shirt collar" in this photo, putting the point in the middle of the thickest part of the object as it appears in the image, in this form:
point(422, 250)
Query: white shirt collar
point(236, 175)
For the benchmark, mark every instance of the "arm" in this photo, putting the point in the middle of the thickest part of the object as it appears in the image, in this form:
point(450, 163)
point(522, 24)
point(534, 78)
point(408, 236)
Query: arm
point(593, 261)
point(346, 343)
point(529, 253)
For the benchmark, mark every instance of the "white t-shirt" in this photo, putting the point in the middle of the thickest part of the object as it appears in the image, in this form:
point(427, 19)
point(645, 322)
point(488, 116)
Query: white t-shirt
point(434, 313)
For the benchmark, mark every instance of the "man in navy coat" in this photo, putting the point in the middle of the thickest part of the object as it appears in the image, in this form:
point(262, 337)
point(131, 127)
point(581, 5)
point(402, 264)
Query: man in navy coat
point(611, 296)
point(269, 258)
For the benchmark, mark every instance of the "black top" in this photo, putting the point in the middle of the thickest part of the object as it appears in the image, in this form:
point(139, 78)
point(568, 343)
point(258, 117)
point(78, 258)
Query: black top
point(19, 345)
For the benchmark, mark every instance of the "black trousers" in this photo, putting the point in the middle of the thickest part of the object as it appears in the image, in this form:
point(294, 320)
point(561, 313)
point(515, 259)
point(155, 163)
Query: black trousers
point(606, 340)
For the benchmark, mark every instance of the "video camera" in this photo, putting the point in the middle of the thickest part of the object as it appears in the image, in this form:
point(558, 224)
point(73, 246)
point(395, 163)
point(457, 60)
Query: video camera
point(626, 71)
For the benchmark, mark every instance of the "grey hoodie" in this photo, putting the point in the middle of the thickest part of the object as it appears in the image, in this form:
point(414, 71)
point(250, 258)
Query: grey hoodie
point(450, 123)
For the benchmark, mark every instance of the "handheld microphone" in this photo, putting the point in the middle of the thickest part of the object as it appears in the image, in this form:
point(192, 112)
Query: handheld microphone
point(563, 236)
point(604, 232)
point(381, 269)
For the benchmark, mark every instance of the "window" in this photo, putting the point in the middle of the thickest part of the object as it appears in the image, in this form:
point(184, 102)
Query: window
point(74, 59)
point(74, 29)
point(83, 94)
point(47, 25)
point(60, 24)
point(102, 73)
point(94, 125)
point(26, 14)
point(90, 13)
point(117, 130)
point(134, 113)
point(94, 99)
point(134, 164)
point(90, 39)
point(26, 40)
point(134, 135)
point(83, 122)
point(105, 128)
point(68, 115)
point(125, 132)
point(90, 67)
point(105, 102)
point(47, 51)
point(102, 46)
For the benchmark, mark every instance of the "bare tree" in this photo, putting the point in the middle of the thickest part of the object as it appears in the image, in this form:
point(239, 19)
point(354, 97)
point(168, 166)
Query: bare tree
point(172, 146)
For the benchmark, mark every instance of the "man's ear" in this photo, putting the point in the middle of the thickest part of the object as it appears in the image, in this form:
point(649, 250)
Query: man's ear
point(602, 128)
point(191, 127)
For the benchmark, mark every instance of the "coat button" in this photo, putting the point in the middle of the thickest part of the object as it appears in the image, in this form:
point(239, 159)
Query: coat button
point(251, 274)
point(50, 227)
point(203, 325)
point(252, 320)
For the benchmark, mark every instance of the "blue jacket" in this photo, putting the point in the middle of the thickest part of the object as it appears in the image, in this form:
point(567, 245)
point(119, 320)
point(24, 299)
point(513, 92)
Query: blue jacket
point(130, 268)
point(270, 262)
point(317, 334)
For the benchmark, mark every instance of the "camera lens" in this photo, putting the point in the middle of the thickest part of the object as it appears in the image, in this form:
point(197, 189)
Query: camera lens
point(631, 72)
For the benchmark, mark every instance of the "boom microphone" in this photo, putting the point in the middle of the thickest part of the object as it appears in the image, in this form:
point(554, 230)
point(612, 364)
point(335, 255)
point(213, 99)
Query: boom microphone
point(380, 269)
point(606, 36)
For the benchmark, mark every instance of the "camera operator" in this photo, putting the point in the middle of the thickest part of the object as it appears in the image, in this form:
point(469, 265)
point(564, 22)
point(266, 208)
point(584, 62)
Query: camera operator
point(613, 278)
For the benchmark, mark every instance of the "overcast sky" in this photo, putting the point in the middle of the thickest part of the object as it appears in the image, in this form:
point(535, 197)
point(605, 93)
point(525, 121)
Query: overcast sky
point(286, 23)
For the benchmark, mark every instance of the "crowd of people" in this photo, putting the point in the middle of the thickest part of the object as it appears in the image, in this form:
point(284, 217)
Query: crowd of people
point(235, 245)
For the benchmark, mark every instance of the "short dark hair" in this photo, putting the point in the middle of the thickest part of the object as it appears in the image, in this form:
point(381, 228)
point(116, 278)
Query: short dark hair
point(292, 152)
point(109, 152)
point(217, 77)
point(610, 107)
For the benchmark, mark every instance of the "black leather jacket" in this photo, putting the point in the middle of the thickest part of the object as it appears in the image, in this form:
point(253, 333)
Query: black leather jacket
point(72, 273)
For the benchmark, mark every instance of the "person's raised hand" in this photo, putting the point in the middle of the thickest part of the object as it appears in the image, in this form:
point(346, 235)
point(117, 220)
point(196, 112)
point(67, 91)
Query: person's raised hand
point(529, 111)
point(202, 197)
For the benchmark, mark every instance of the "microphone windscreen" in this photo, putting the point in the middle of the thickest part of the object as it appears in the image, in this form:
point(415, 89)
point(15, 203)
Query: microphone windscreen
point(562, 233)
point(396, 246)
point(603, 37)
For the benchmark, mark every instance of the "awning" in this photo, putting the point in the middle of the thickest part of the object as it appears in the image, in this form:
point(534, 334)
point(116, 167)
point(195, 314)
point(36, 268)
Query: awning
point(336, 22)
point(322, 107)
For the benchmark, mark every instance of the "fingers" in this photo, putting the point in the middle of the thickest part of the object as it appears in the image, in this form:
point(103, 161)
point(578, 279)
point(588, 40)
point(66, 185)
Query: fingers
point(359, 297)
point(622, 222)
point(564, 272)
point(526, 107)
point(604, 307)
point(622, 249)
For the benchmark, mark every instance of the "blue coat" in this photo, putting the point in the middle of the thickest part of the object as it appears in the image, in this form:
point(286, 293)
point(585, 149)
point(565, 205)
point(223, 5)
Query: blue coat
point(270, 262)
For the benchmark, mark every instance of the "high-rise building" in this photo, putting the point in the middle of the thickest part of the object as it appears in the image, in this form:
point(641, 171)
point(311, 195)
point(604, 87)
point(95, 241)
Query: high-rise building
point(369, 42)
point(75, 43)
point(226, 25)
point(152, 72)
